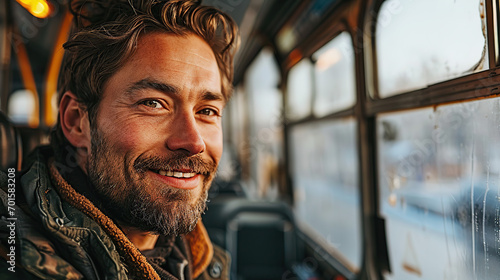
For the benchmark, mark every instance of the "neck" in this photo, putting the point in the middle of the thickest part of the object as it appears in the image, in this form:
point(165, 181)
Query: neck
point(143, 240)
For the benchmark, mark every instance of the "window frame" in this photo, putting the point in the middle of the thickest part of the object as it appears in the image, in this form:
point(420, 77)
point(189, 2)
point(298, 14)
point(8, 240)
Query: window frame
point(333, 28)
point(340, 28)
point(472, 86)
point(466, 88)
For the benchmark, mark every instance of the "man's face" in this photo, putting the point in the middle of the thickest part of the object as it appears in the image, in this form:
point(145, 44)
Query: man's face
point(157, 139)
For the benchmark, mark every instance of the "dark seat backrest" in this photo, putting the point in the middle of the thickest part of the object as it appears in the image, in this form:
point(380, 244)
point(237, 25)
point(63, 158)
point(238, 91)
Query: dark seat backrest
point(259, 235)
point(10, 145)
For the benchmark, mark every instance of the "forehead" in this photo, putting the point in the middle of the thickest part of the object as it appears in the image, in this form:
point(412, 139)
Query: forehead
point(186, 62)
point(189, 48)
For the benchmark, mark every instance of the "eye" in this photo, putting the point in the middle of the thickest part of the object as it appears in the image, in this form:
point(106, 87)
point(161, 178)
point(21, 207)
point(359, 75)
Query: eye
point(208, 112)
point(151, 103)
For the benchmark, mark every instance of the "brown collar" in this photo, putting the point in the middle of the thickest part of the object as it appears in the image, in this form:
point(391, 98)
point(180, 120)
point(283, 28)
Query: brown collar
point(199, 243)
point(201, 248)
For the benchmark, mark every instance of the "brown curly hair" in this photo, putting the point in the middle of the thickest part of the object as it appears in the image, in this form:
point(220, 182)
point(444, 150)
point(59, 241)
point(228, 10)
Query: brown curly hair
point(106, 34)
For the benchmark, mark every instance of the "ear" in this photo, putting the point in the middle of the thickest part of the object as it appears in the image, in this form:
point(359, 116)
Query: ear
point(74, 122)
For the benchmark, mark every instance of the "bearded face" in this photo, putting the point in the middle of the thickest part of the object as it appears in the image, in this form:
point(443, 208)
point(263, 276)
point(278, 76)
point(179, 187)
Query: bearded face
point(131, 198)
point(156, 140)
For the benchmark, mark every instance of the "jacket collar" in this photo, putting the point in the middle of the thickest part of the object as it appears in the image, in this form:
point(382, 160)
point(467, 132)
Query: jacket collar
point(201, 248)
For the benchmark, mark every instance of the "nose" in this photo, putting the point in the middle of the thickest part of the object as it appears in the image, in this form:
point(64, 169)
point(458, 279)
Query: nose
point(185, 135)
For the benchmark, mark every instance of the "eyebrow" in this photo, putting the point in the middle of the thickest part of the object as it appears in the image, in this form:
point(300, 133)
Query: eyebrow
point(168, 89)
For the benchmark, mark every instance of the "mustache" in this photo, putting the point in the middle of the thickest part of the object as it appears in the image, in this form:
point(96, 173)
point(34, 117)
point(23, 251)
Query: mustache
point(195, 164)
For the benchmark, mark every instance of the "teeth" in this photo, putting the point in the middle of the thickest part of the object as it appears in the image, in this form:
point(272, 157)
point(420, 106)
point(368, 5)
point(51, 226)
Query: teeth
point(176, 174)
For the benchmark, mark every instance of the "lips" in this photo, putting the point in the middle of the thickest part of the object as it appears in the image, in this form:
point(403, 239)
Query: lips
point(176, 170)
point(178, 179)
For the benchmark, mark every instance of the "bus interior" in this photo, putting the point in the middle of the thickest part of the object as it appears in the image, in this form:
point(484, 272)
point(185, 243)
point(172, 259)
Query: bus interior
point(359, 142)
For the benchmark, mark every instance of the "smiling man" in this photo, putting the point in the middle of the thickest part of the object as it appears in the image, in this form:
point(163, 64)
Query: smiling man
point(157, 137)
point(120, 192)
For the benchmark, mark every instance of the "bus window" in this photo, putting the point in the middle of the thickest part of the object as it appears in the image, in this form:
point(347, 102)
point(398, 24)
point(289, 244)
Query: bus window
point(413, 51)
point(299, 90)
point(234, 134)
point(325, 176)
point(334, 76)
point(265, 110)
point(439, 176)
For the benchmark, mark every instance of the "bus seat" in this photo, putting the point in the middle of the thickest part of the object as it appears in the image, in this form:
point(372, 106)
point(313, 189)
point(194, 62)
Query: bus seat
point(220, 188)
point(11, 146)
point(259, 235)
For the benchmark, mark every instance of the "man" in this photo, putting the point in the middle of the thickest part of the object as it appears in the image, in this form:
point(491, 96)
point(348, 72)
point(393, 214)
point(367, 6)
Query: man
point(120, 193)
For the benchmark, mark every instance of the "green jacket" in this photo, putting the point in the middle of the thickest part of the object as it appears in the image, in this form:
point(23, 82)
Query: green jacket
point(44, 237)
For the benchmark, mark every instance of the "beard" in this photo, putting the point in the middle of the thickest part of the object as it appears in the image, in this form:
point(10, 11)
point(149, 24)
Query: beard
point(126, 194)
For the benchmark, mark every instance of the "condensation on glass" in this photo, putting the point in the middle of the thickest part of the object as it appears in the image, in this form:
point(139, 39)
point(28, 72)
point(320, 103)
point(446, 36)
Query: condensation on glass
point(324, 170)
point(299, 90)
point(265, 111)
point(334, 76)
point(439, 178)
point(419, 43)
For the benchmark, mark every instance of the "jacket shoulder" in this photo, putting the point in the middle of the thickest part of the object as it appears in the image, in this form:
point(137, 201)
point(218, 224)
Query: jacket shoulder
point(27, 253)
point(53, 240)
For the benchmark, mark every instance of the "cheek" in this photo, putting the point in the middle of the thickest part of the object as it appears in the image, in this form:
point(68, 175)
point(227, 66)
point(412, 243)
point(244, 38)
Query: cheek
point(213, 141)
point(127, 137)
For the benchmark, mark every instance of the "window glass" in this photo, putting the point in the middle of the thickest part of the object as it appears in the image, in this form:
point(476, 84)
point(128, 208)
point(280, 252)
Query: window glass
point(423, 42)
point(234, 116)
point(234, 127)
point(334, 74)
point(439, 177)
point(265, 110)
point(325, 176)
point(299, 90)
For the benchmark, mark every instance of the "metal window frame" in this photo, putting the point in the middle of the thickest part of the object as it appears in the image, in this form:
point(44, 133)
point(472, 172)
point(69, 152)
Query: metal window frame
point(467, 87)
point(338, 23)
point(474, 86)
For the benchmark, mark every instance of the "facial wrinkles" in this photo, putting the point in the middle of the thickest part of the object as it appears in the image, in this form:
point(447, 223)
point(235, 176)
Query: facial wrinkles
point(194, 63)
point(206, 59)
